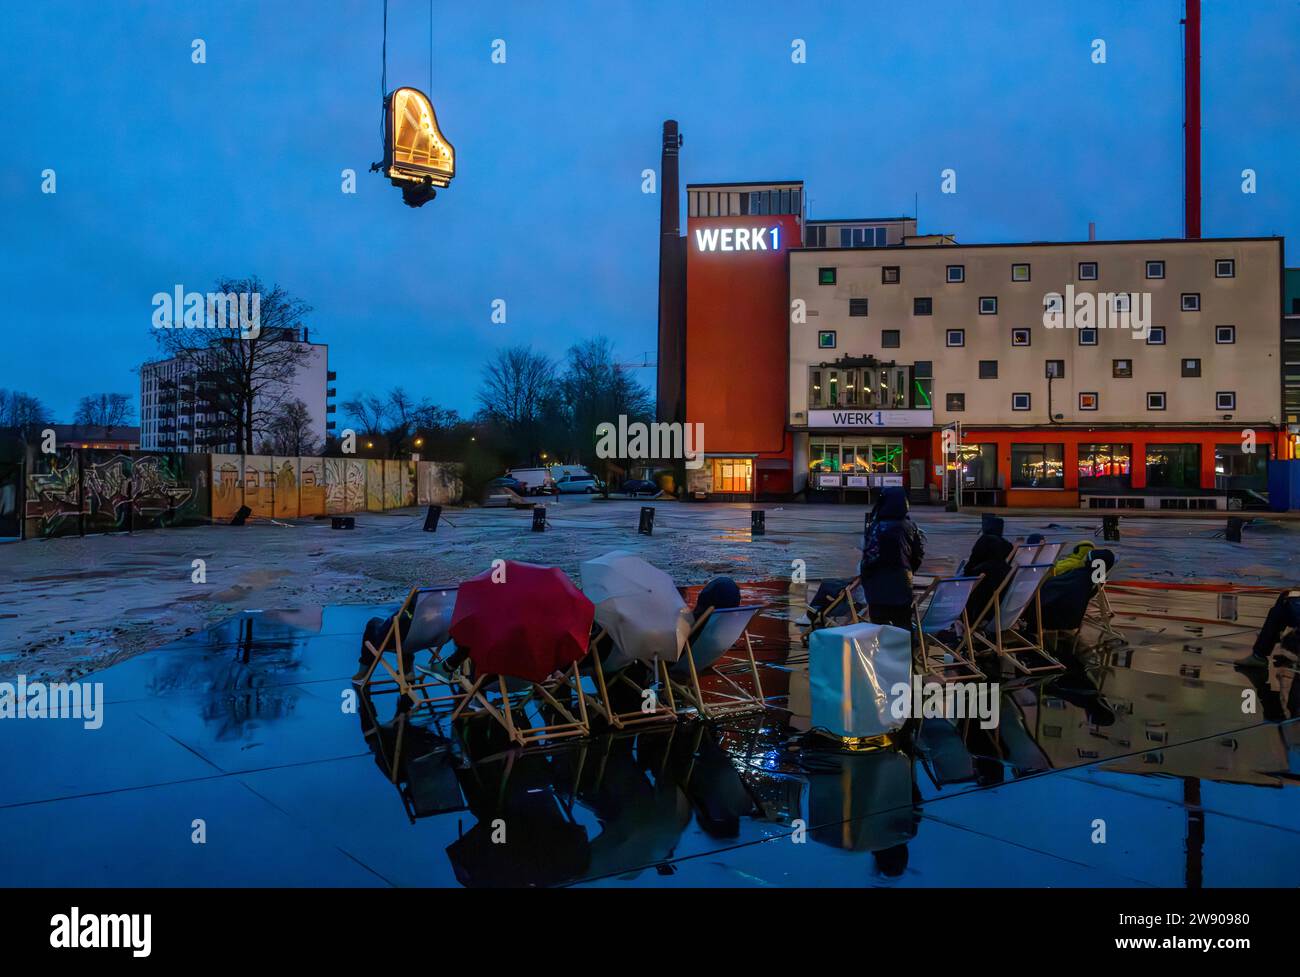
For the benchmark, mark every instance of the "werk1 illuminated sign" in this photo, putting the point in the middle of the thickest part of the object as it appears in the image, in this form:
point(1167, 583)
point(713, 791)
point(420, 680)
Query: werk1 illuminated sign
point(738, 238)
point(870, 418)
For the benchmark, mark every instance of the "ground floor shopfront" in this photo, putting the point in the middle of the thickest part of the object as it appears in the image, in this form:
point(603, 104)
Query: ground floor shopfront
point(1121, 468)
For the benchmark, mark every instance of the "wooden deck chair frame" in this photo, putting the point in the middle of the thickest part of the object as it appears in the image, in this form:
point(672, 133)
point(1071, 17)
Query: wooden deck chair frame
point(1100, 615)
point(933, 649)
point(716, 704)
point(665, 710)
point(1008, 642)
point(489, 695)
point(821, 618)
point(399, 680)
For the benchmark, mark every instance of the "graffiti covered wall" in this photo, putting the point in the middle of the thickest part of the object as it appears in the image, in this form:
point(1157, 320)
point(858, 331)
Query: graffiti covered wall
point(79, 491)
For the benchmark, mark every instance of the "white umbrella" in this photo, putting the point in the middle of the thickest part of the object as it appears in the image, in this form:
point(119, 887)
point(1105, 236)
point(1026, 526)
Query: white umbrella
point(639, 606)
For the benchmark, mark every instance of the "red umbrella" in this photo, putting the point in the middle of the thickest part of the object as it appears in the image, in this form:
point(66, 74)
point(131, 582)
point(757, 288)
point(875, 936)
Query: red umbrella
point(531, 624)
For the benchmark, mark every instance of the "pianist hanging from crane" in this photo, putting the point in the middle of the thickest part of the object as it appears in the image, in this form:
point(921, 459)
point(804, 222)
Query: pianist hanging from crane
point(417, 156)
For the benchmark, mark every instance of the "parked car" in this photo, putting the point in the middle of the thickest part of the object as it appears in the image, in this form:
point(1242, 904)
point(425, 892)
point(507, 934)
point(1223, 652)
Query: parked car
point(640, 486)
point(505, 481)
point(577, 483)
point(536, 481)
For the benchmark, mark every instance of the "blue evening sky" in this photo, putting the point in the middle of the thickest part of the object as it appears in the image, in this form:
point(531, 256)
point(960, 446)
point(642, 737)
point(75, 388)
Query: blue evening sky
point(175, 173)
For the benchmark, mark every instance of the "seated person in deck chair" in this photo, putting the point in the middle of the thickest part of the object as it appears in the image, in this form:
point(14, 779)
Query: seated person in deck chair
point(720, 592)
point(1282, 624)
point(891, 552)
point(1065, 596)
point(988, 557)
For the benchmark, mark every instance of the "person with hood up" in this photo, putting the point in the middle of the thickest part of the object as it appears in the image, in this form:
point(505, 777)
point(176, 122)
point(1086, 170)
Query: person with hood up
point(892, 551)
point(990, 556)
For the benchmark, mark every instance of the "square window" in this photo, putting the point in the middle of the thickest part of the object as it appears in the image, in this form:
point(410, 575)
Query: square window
point(956, 274)
point(1121, 369)
point(1121, 302)
point(1156, 401)
point(1225, 268)
point(1019, 337)
point(988, 305)
point(891, 338)
point(826, 339)
point(956, 337)
point(1054, 369)
point(1225, 400)
point(1088, 401)
point(889, 275)
point(1156, 336)
point(1191, 301)
point(988, 369)
point(1155, 269)
point(825, 276)
point(1020, 273)
point(1191, 368)
point(1087, 271)
point(857, 306)
point(923, 369)
point(922, 306)
point(1087, 337)
point(1224, 335)
point(955, 401)
point(1020, 401)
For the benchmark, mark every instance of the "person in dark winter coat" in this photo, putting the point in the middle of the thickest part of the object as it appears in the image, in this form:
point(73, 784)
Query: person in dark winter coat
point(1282, 624)
point(892, 550)
point(989, 557)
point(721, 593)
point(1065, 597)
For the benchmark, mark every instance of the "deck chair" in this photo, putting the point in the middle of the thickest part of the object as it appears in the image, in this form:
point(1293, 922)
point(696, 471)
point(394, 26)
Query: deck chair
point(1101, 616)
point(995, 627)
point(945, 609)
point(505, 698)
point(421, 623)
point(615, 673)
point(1027, 553)
point(846, 607)
point(713, 635)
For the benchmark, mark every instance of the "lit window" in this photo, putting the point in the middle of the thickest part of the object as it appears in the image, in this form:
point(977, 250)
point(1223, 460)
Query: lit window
point(1191, 368)
point(825, 276)
point(889, 275)
point(1088, 401)
point(826, 339)
point(1121, 368)
point(956, 402)
point(1020, 273)
point(1019, 337)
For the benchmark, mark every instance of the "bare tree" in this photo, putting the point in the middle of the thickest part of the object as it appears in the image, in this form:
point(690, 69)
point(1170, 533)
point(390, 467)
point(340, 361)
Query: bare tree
point(245, 376)
point(397, 417)
point(23, 413)
point(103, 410)
point(290, 432)
point(517, 390)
